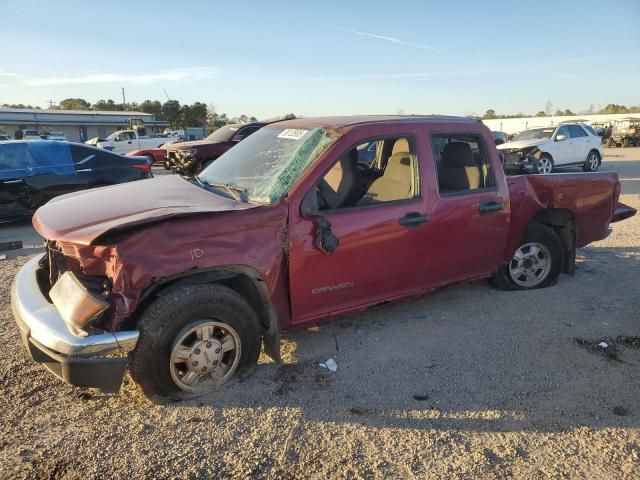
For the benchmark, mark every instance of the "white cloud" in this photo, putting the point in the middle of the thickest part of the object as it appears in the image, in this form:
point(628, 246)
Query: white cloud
point(197, 73)
point(390, 39)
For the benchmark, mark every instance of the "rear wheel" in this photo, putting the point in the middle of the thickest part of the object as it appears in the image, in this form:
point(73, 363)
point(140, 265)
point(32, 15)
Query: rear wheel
point(195, 340)
point(536, 263)
point(544, 165)
point(592, 162)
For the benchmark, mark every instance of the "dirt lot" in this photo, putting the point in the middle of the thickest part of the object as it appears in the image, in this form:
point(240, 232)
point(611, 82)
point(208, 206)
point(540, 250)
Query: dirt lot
point(467, 382)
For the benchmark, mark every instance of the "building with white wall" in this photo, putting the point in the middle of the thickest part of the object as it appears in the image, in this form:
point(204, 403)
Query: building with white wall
point(78, 125)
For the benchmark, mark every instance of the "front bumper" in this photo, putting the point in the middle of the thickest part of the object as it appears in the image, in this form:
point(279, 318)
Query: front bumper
point(93, 360)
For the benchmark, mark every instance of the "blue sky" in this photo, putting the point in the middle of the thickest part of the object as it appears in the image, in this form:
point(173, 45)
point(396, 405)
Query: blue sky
point(266, 58)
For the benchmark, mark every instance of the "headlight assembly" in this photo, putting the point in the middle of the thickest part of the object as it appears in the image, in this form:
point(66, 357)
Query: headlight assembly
point(76, 304)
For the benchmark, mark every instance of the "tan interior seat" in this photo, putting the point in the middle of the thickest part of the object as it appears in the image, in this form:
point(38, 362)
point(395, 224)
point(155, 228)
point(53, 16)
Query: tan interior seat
point(398, 180)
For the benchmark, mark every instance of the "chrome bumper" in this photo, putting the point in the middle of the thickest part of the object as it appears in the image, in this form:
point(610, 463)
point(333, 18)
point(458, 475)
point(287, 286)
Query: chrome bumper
point(39, 320)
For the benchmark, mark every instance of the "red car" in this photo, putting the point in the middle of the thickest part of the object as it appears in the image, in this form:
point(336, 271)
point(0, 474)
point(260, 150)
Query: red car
point(155, 155)
point(286, 230)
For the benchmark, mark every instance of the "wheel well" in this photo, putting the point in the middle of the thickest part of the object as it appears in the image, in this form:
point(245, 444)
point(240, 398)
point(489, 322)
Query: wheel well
point(246, 282)
point(597, 152)
point(562, 222)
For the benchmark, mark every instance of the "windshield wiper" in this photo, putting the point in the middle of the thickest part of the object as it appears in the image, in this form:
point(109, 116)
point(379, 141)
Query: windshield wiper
point(233, 190)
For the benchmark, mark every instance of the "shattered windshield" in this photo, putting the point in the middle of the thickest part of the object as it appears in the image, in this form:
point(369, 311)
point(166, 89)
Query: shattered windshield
point(534, 134)
point(267, 163)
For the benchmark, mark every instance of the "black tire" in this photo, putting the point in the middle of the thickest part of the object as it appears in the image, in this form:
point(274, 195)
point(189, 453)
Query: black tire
point(165, 319)
point(542, 161)
point(538, 234)
point(588, 166)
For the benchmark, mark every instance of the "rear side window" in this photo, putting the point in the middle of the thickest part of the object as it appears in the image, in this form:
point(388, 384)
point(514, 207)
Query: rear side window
point(462, 163)
point(576, 131)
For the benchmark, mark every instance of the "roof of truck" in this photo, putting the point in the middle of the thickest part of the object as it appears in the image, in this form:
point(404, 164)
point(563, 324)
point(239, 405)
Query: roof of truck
point(349, 121)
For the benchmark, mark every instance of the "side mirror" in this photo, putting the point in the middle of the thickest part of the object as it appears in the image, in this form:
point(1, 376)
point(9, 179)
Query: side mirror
point(309, 205)
point(560, 137)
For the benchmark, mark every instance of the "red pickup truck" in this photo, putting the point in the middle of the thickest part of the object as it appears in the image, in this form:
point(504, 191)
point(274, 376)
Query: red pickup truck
point(183, 280)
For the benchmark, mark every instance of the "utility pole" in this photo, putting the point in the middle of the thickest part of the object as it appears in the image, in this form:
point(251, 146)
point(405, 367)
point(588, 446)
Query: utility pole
point(50, 102)
point(124, 100)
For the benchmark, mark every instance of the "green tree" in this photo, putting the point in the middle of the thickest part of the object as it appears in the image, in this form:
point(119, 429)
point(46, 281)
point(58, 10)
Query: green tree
point(568, 112)
point(290, 116)
point(541, 113)
point(171, 112)
point(107, 106)
point(558, 113)
point(243, 118)
point(154, 107)
point(74, 104)
point(253, 119)
point(490, 114)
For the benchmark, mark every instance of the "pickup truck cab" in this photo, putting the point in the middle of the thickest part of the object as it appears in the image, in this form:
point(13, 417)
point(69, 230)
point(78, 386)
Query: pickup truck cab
point(289, 229)
point(124, 141)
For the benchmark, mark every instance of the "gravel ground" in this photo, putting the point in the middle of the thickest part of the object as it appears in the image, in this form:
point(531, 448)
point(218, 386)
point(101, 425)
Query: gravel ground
point(467, 382)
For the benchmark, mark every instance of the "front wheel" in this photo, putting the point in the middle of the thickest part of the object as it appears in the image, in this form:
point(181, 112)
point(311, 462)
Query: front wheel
point(592, 162)
point(544, 165)
point(194, 340)
point(536, 263)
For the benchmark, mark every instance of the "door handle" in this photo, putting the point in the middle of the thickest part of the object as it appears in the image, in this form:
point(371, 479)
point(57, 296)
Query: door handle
point(413, 219)
point(490, 206)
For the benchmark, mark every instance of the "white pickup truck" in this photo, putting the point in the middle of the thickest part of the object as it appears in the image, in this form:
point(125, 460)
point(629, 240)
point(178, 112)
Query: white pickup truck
point(124, 141)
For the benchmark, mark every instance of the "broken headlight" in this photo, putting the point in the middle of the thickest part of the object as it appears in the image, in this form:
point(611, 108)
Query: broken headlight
point(76, 304)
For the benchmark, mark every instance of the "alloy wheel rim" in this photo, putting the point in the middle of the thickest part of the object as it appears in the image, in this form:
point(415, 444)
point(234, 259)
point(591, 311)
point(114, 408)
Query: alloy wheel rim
point(205, 355)
point(593, 162)
point(530, 265)
point(544, 166)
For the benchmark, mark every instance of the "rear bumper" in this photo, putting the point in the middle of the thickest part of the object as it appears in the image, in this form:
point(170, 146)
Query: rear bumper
point(93, 360)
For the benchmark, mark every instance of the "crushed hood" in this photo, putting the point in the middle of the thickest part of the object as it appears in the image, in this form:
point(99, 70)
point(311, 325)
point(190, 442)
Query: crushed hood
point(83, 216)
point(522, 144)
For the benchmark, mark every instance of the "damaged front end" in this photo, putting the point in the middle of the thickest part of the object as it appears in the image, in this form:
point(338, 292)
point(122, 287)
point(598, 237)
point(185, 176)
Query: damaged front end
point(183, 162)
point(519, 161)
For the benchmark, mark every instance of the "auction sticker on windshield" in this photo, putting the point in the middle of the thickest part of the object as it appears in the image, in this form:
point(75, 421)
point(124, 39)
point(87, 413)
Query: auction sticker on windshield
point(293, 133)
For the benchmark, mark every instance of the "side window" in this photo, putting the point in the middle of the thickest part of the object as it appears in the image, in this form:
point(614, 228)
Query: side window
point(462, 163)
point(391, 176)
point(563, 131)
point(83, 157)
point(576, 131)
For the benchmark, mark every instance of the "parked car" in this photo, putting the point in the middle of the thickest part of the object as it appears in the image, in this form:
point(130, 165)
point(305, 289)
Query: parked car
point(124, 141)
point(30, 135)
point(542, 150)
point(57, 136)
point(625, 133)
point(190, 158)
point(155, 155)
point(4, 138)
point(32, 173)
point(284, 231)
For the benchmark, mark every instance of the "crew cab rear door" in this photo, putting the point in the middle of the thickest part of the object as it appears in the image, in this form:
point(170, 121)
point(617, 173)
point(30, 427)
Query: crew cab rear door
point(366, 247)
point(469, 206)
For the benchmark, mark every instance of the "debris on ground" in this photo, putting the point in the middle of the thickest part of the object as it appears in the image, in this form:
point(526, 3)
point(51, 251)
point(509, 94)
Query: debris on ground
point(603, 344)
point(421, 398)
point(609, 347)
point(330, 365)
point(3, 257)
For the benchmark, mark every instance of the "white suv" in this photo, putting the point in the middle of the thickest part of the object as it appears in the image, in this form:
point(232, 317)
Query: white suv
point(541, 150)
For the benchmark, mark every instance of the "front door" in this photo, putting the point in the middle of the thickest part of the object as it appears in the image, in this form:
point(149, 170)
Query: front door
point(381, 233)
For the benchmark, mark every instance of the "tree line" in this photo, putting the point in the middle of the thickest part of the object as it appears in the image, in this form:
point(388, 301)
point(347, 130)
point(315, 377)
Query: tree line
point(197, 114)
point(611, 108)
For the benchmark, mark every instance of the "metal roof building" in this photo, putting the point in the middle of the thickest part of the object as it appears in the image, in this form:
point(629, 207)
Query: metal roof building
point(78, 125)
